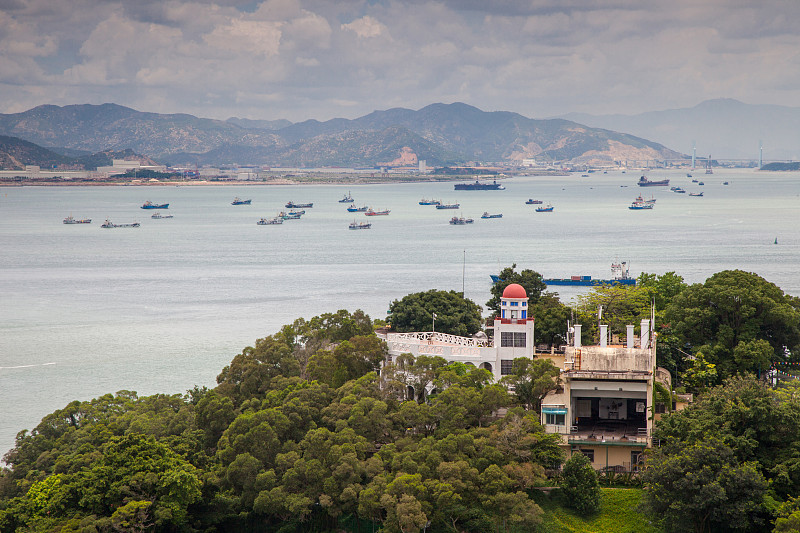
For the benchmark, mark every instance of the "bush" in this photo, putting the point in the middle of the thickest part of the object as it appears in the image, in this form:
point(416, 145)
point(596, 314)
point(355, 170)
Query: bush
point(580, 485)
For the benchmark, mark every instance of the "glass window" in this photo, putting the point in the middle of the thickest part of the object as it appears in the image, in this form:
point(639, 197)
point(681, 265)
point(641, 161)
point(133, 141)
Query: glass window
point(513, 339)
point(505, 366)
point(554, 419)
point(589, 454)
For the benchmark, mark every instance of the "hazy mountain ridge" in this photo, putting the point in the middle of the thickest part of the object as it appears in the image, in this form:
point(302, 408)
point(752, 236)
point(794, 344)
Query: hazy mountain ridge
point(724, 128)
point(17, 153)
point(438, 133)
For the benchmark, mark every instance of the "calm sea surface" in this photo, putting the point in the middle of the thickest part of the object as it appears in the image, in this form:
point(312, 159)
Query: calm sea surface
point(161, 308)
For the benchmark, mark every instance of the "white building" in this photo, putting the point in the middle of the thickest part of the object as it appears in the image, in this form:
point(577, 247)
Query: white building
point(604, 407)
point(513, 329)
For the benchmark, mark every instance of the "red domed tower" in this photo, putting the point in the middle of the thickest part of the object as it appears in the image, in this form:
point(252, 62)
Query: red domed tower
point(513, 330)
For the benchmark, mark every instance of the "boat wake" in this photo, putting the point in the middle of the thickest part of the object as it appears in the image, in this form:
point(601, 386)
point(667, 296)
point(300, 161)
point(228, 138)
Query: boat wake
point(24, 366)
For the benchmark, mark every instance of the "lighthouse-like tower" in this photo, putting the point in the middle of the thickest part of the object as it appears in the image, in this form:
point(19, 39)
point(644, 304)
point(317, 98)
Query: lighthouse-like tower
point(513, 329)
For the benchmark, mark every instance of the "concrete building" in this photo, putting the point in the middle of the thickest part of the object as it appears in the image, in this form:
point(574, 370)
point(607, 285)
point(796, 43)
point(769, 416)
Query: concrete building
point(513, 329)
point(604, 406)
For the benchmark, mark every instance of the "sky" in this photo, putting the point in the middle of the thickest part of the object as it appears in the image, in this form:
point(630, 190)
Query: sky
point(321, 59)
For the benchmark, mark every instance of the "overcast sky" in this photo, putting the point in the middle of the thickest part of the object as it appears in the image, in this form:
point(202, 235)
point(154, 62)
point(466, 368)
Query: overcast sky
point(300, 59)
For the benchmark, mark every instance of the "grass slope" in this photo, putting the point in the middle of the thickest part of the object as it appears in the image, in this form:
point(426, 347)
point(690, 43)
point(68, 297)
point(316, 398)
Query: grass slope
point(618, 514)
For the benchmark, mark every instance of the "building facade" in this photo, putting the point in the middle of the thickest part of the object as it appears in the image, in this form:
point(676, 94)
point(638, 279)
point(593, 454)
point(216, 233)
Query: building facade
point(603, 407)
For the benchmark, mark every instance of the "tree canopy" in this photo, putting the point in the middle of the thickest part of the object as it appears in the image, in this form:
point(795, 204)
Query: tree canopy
point(455, 314)
point(737, 320)
point(530, 280)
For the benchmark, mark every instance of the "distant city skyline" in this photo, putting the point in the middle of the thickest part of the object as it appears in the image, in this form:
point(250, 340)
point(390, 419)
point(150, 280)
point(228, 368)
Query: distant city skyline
point(302, 59)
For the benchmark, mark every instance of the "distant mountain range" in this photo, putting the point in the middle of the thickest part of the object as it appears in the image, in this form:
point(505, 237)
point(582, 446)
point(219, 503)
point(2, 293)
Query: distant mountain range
point(439, 133)
point(16, 154)
point(723, 128)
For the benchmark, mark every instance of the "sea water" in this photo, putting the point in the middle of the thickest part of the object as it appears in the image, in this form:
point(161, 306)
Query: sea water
point(86, 311)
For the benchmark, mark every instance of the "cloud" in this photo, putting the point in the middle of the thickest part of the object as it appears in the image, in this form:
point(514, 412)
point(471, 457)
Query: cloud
point(301, 59)
point(366, 26)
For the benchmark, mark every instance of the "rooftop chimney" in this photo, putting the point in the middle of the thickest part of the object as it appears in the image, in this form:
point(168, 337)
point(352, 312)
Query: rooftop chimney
point(629, 336)
point(577, 338)
point(645, 335)
point(603, 335)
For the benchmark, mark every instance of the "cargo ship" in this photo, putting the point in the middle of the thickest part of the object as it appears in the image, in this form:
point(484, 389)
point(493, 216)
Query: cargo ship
point(644, 182)
point(619, 276)
point(150, 205)
point(478, 186)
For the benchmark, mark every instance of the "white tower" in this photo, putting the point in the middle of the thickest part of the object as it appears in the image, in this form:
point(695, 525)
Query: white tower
point(513, 329)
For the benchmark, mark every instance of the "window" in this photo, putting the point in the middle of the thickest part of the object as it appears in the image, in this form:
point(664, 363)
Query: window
point(524, 304)
point(513, 339)
point(589, 454)
point(504, 303)
point(505, 366)
point(554, 419)
point(524, 314)
point(661, 407)
point(514, 304)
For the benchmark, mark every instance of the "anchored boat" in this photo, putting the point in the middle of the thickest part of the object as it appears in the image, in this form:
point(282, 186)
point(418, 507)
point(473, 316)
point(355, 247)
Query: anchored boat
point(620, 275)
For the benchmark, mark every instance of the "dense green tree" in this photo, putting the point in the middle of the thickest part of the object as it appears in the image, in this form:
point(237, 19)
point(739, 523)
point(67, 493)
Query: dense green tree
point(455, 314)
point(552, 319)
point(350, 359)
point(580, 484)
point(702, 487)
point(532, 380)
point(530, 280)
point(251, 372)
point(662, 288)
point(725, 317)
point(621, 305)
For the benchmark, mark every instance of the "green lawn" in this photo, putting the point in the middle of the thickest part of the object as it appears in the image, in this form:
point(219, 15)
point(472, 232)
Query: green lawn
point(617, 514)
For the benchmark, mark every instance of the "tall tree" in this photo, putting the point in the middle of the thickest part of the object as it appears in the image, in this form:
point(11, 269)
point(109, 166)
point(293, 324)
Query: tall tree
point(702, 487)
point(532, 380)
point(455, 314)
point(530, 280)
point(725, 317)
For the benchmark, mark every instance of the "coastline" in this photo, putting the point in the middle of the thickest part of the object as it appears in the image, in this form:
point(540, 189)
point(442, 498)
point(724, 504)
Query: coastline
point(315, 179)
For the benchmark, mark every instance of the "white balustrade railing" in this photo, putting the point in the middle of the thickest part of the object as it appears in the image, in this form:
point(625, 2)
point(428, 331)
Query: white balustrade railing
point(433, 336)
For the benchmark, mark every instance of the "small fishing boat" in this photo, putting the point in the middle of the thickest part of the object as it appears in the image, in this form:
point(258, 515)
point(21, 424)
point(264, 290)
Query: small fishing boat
point(460, 221)
point(70, 220)
point(544, 208)
point(347, 198)
point(360, 225)
point(372, 212)
point(239, 201)
point(638, 206)
point(109, 224)
point(641, 200)
point(288, 216)
point(299, 213)
point(159, 215)
point(291, 205)
point(531, 201)
point(695, 194)
point(487, 215)
point(150, 205)
point(448, 206)
point(270, 221)
point(429, 202)
point(354, 209)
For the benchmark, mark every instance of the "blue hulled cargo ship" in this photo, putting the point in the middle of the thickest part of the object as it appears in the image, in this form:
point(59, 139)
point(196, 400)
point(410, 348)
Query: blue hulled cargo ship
point(619, 276)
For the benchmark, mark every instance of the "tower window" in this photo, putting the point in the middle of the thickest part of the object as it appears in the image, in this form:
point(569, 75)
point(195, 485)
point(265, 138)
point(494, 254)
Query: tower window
point(513, 339)
point(505, 366)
